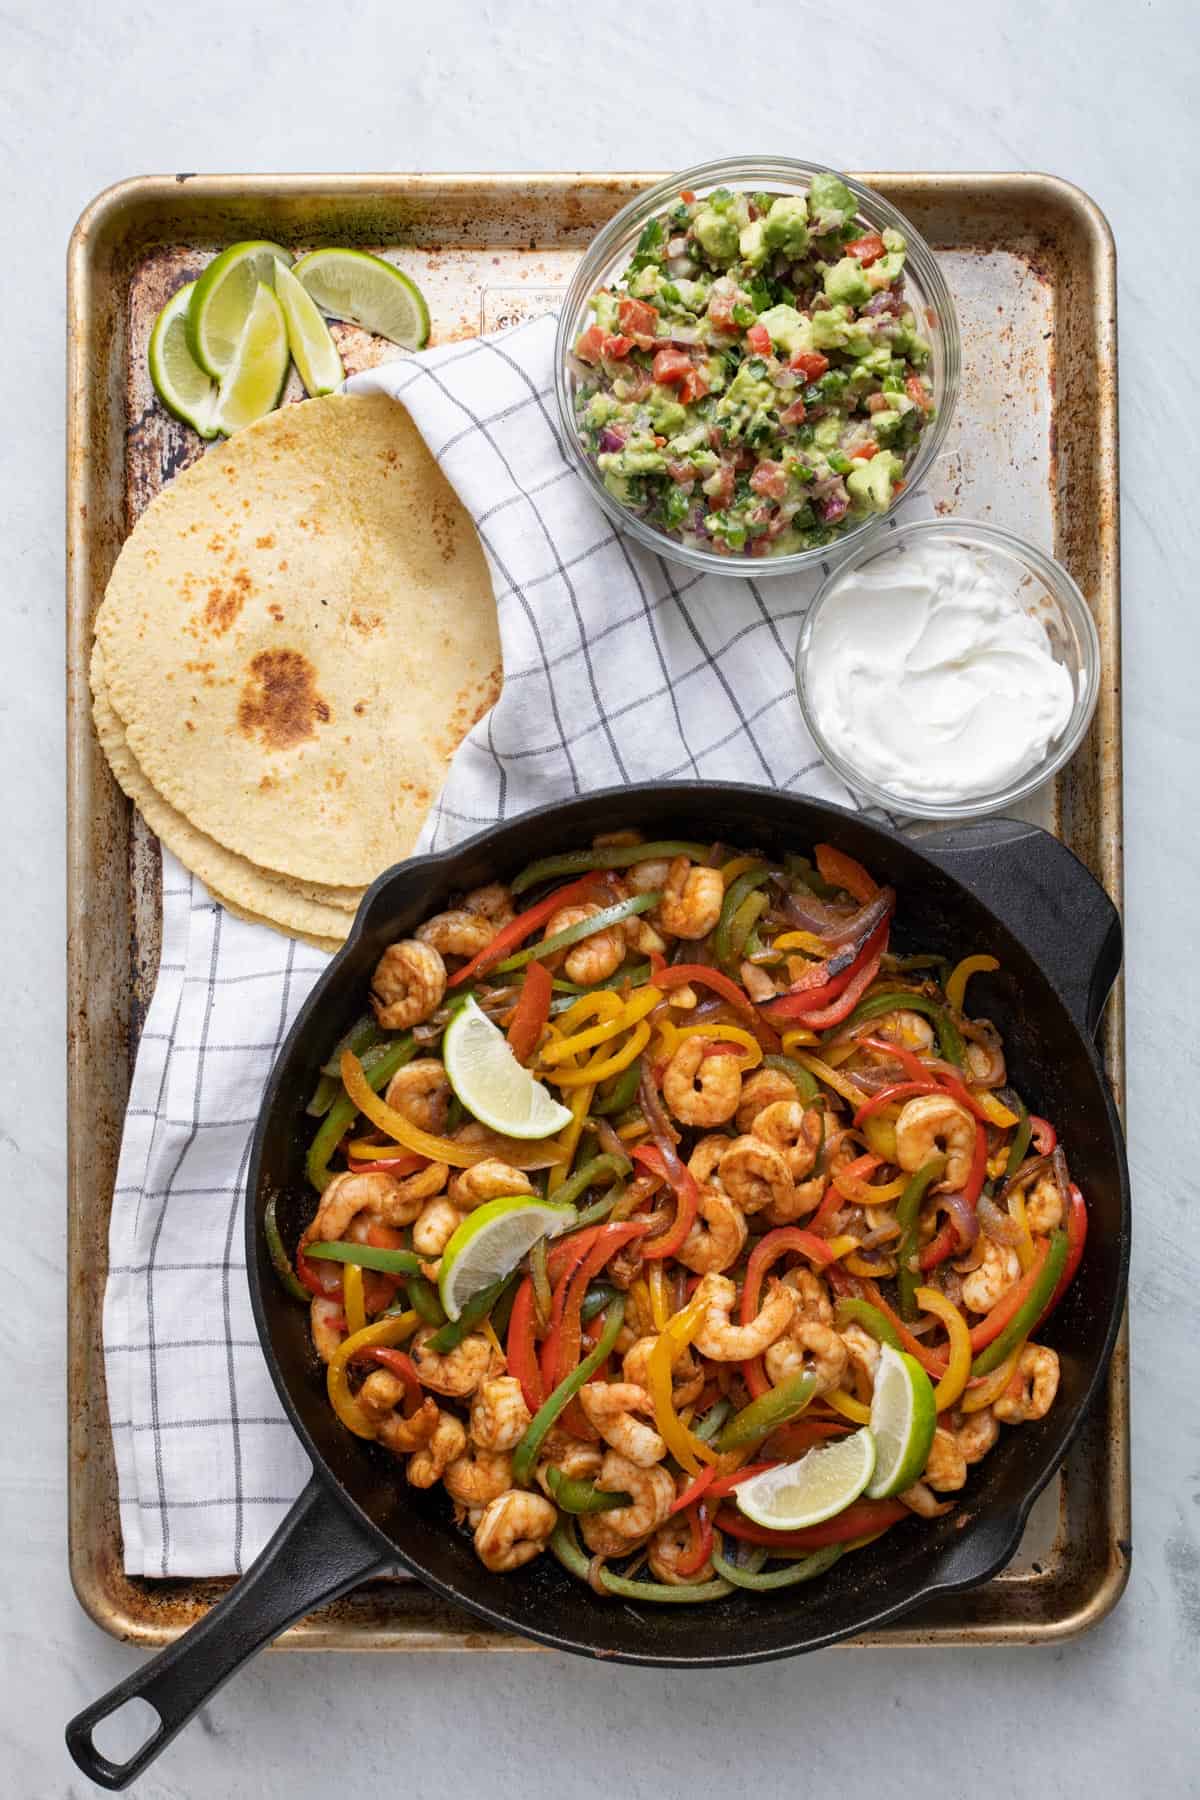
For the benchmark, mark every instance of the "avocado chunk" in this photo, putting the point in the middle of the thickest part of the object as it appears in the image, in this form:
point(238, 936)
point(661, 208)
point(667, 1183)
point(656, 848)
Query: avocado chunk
point(751, 245)
point(827, 431)
point(716, 234)
point(786, 225)
point(869, 484)
point(886, 425)
point(631, 462)
point(790, 331)
point(831, 328)
point(846, 281)
point(830, 200)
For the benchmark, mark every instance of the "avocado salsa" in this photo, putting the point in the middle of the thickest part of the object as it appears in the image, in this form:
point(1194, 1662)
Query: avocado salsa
point(755, 381)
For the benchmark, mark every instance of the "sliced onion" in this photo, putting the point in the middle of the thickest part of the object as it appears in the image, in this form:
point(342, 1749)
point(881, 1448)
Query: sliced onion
point(661, 1128)
point(966, 1220)
point(832, 923)
point(999, 1225)
point(1028, 1171)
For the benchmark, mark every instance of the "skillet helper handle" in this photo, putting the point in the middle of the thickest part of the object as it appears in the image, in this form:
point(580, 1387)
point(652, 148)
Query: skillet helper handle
point(319, 1552)
point(1047, 898)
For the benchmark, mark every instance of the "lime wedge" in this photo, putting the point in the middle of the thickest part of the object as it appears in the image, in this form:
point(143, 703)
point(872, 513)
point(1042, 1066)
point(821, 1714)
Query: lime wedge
point(822, 1484)
point(364, 290)
point(179, 381)
point(491, 1083)
point(254, 380)
point(223, 298)
point(490, 1243)
point(313, 350)
point(903, 1421)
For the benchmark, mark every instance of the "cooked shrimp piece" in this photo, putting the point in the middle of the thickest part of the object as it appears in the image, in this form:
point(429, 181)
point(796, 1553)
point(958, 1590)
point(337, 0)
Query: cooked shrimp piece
point(487, 1180)
point(408, 984)
point(494, 901)
point(921, 1499)
point(718, 1236)
point(376, 1193)
point(1030, 1393)
point(595, 957)
point(985, 1055)
point(327, 1323)
point(457, 933)
point(933, 1123)
point(513, 1529)
point(812, 1299)
point(1043, 1204)
point(651, 1491)
point(988, 1283)
point(755, 1175)
point(907, 1029)
point(976, 1435)
point(499, 1415)
point(609, 1406)
point(671, 1543)
point(573, 1458)
point(687, 1377)
point(808, 1346)
point(692, 899)
point(705, 1161)
point(380, 1397)
point(764, 1088)
point(699, 1088)
point(757, 983)
point(448, 1442)
point(863, 1351)
point(721, 1340)
point(946, 1469)
point(648, 877)
point(477, 1476)
point(421, 1092)
point(436, 1224)
point(456, 1372)
point(796, 1131)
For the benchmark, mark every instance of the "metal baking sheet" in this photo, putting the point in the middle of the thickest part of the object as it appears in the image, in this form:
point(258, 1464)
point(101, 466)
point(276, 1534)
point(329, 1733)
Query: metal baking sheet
point(1031, 263)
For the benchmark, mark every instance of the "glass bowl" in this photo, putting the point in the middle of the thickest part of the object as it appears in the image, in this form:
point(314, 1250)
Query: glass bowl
point(609, 255)
point(1046, 591)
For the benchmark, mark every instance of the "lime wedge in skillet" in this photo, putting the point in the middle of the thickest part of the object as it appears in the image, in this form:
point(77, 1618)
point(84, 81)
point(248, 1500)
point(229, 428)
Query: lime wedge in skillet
point(179, 381)
point(364, 290)
point(491, 1241)
point(792, 1496)
point(223, 297)
point(903, 1421)
point(313, 350)
point(254, 380)
point(492, 1084)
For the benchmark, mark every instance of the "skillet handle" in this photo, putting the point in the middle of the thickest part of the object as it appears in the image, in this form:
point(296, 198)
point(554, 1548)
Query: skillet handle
point(1046, 897)
point(319, 1552)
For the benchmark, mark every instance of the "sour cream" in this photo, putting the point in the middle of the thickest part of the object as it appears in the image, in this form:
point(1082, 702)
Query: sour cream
point(928, 674)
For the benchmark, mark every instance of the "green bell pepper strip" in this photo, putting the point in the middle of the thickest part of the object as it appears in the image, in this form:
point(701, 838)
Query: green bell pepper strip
point(599, 1210)
point(362, 1035)
point(502, 1311)
point(908, 1214)
point(615, 856)
point(620, 1091)
point(423, 1299)
point(713, 1419)
point(584, 1496)
point(949, 1036)
point(595, 1300)
point(323, 1097)
point(525, 1455)
point(564, 1546)
point(588, 1174)
point(806, 1082)
point(388, 1262)
point(741, 928)
point(852, 1311)
point(451, 1334)
point(766, 1414)
point(747, 1575)
point(574, 934)
point(281, 1262)
point(801, 869)
point(738, 890)
point(1018, 1150)
point(343, 1112)
point(1028, 1314)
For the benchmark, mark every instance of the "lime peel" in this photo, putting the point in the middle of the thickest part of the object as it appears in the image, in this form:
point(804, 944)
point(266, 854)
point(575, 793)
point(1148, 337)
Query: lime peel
point(179, 381)
point(493, 1086)
point(491, 1241)
point(223, 299)
point(903, 1420)
point(823, 1483)
point(366, 291)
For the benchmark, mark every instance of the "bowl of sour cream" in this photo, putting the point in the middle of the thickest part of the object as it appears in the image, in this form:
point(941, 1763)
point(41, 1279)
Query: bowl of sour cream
point(948, 668)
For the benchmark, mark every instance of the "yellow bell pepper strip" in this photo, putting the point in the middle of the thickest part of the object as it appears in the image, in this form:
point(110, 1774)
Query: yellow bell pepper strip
point(344, 1111)
point(353, 1303)
point(565, 1548)
point(778, 1406)
point(656, 1283)
point(402, 1130)
point(526, 1453)
point(617, 1021)
point(606, 1003)
point(1043, 1279)
point(636, 1128)
point(738, 865)
point(1024, 1243)
point(366, 1256)
point(601, 1067)
point(848, 1406)
point(579, 1103)
point(808, 941)
point(720, 1032)
point(798, 1038)
point(688, 1450)
point(583, 1496)
point(908, 1215)
point(574, 934)
point(880, 1133)
point(841, 1084)
point(880, 1271)
point(986, 1388)
point(611, 856)
point(747, 1574)
point(956, 981)
point(997, 1113)
point(387, 1331)
point(958, 1369)
point(281, 1262)
point(850, 1310)
point(363, 1035)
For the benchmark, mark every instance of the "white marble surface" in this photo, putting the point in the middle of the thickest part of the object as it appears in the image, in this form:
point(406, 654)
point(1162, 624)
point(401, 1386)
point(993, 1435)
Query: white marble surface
point(1105, 95)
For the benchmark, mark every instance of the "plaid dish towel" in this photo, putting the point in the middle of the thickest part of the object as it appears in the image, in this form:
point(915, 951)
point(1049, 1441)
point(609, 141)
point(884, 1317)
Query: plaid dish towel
point(618, 667)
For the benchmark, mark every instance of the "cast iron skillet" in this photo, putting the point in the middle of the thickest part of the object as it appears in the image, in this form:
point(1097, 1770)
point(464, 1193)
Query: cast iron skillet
point(997, 885)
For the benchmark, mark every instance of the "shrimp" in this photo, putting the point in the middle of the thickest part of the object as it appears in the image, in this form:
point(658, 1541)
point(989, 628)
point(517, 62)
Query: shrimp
point(920, 1499)
point(610, 1407)
point(651, 1492)
point(669, 1545)
point(477, 1476)
point(457, 933)
point(387, 1200)
point(717, 1237)
point(755, 1175)
point(1030, 1393)
point(985, 1055)
point(932, 1123)
point(863, 1351)
point(1043, 1204)
point(487, 1180)
point(763, 1089)
point(812, 1300)
point(447, 1444)
point(976, 1435)
point(513, 1529)
point(997, 1271)
point(701, 1089)
point(705, 1160)
point(437, 1223)
point(722, 1341)
point(908, 1029)
point(499, 1415)
point(457, 1372)
point(808, 1346)
point(421, 1092)
point(796, 1131)
point(327, 1323)
point(692, 899)
point(946, 1468)
point(596, 956)
point(408, 984)
point(494, 901)
point(757, 983)
point(648, 877)
point(379, 1397)
point(687, 1377)
point(573, 1458)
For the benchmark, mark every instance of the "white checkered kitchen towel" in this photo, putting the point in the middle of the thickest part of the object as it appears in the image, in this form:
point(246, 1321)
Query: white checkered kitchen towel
point(618, 667)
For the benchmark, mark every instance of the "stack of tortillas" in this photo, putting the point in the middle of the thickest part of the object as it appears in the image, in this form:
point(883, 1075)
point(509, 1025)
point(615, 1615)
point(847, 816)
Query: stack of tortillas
point(296, 637)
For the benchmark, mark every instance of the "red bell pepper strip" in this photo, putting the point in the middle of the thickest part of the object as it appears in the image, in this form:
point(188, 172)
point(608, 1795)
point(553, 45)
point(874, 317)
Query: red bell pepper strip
point(408, 1164)
point(1011, 1303)
point(524, 925)
point(532, 1011)
point(324, 1280)
point(863, 1518)
point(687, 974)
point(810, 1005)
point(521, 1348)
point(901, 1090)
point(947, 1239)
point(833, 865)
point(768, 1250)
point(1045, 1138)
point(1077, 1229)
point(560, 1353)
point(725, 1484)
point(702, 1542)
point(832, 1201)
point(843, 1007)
point(687, 1199)
point(694, 1490)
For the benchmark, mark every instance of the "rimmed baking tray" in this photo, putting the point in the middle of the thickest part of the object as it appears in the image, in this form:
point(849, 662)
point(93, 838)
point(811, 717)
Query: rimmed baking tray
point(1031, 262)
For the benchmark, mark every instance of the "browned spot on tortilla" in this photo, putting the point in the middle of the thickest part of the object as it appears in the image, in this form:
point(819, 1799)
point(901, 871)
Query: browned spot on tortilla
point(360, 707)
point(265, 543)
point(189, 725)
point(276, 612)
point(366, 623)
point(280, 704)
point(224, 604)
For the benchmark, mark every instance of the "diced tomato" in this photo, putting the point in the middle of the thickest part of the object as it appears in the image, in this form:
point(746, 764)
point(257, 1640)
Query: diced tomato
point(877, 403)
point(770, 478)
point(809, 363)
point(864, 453)
point(681, 472)
point(639, 320)
point(616, 347)
point(589, 346)
point(724, 489)
point(866, 249)
point(694, 386)
point(759, 340)
point(687, 196)
point(720, 311)
point(793, 414)
point(918, 393)
point(670, 366)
